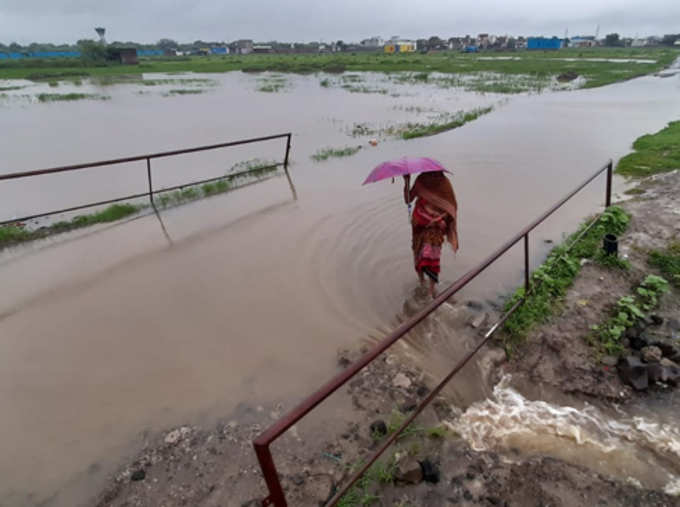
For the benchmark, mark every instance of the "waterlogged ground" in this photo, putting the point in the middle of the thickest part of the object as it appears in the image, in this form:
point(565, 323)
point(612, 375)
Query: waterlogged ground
point(111, 332)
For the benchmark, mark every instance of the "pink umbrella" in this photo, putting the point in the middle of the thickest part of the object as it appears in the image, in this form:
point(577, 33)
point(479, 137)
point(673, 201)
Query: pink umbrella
point(403, 166)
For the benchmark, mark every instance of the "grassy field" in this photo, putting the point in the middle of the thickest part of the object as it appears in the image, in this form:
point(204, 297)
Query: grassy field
point(654, 153)
point(538, 64)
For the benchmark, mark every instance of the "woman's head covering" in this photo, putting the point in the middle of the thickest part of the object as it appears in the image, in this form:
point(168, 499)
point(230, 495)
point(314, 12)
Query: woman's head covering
point(436, 189)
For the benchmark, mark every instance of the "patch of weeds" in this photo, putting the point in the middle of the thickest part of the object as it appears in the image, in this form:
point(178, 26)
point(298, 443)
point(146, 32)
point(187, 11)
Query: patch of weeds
point(364, 490)
point(611, 261)
point(628, 311)
point(10, 88)
point(184, 91)
point(364, 89)
point(326, 153)
point(53, 84)
point(414, 130)
point(272, 84)
point(436, 432)
point(189, 194)
point(668, 261)
point(635, 191)
point(552, 279)
point(13, 234)
point(362, 129)
point(110, 214)
point(325, 83)
point(55, 97)
point(654, 153)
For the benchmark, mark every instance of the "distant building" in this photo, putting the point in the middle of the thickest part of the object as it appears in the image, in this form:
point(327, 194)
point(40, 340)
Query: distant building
point(242, 47)
point(373, 42)
point(126, 56)
point(219, 51)
point(583, 41)
point(401, 47)
point(262, 49)
point(543, 43)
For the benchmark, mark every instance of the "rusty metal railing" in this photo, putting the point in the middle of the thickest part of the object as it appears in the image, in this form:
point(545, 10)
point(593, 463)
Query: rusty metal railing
point(262, 443)
point(148, 157)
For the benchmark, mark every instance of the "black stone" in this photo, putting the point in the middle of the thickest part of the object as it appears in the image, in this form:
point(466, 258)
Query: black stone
point(138, 475)
point(655, 372)
point(378, 428)
point(297, 479)
point(669, 347)
point(632, 371)
point(422, 391)
point(475, 305)
point(430, 471)
point(656, 320)
point(467, 495)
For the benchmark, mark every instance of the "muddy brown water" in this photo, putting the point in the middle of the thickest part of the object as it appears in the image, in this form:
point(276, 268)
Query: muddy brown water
point(109, 332)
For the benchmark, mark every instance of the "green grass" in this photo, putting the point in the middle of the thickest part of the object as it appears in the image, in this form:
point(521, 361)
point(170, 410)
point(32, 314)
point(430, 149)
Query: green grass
point(53, 84)
point(56, 97)
point(326, 153)
point(539, 65)
point(272, 84)
point(654, 153)
point(12, 234)
point(552, 279)
point(414, 130)
point(10, 88)
point(635, 191)
point(364, 491)
point(668, 262)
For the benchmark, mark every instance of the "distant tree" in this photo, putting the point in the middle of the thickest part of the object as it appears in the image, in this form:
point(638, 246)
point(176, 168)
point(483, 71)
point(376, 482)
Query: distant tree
point(92, 51)
point(669, 39)
point(340, 45)
point(167, 44)
point(612, 39)
point(14, 47)
point(435, 42)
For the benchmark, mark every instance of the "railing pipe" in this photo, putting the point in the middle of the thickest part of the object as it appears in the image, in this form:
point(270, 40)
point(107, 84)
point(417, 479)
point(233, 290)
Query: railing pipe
point(148, 173)
point(262, 442)
point(526, 264)
point(608, 196)
point(285, 167)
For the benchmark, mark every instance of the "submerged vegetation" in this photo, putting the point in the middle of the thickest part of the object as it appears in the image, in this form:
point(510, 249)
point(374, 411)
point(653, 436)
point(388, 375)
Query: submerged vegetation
point(552, 279)
point(326, 153)
point(12, 234)
point(183, 91)
point(56, 97)
point(272, 84)
point(654, 153)
point(413, 130)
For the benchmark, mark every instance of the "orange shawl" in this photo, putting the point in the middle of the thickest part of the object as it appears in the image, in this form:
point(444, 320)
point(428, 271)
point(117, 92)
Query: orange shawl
point(436, 189)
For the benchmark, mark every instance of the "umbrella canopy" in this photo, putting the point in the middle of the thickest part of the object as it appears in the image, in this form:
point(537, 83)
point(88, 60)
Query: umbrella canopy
point(403, 166)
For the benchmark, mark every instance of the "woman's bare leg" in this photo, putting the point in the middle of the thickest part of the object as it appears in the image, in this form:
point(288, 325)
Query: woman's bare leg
point(433, 289)
point(421, 277)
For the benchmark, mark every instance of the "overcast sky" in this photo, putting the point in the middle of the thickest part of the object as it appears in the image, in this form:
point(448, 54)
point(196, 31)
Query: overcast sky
point(322, 20)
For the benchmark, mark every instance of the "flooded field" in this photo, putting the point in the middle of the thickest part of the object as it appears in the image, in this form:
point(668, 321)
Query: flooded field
point(113, 331)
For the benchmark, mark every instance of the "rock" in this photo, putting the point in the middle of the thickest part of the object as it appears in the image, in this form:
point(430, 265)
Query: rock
point(430, 471)
point(422, 391)
point(176, 435)
point(138, 475)
point(297, 479)
point(656, 320)
point(633, 372)
point(673, 324)
point(475, 305)
point(667, 363)
point(672, 375)
point(651, 354)
point(378, 428)
point(401, 380)
point(609, 360)
point(669, 347)
point(479, 320)
point(655, 372)
point(409, 471)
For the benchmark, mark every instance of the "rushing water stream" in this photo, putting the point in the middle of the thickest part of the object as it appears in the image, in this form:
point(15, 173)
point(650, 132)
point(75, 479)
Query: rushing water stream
point(109, 332)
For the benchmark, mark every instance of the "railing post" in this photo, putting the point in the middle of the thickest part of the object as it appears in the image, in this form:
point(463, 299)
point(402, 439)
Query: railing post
point(526, 264)
point(608, 197)
point(285, 167)
point(271, 477)
point(148, 173)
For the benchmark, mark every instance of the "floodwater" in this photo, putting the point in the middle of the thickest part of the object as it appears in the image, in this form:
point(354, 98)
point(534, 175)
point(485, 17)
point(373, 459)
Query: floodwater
point(112, 331)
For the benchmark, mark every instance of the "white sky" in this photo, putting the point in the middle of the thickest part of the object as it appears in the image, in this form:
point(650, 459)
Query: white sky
point(322, 20)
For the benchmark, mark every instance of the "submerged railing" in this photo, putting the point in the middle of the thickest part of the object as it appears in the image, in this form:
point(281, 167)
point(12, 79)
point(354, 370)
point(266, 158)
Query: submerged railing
point(150, 190)
point(263, 441)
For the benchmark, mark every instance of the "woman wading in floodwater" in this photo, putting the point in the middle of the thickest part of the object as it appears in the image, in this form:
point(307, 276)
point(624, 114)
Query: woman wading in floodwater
point(433, 221)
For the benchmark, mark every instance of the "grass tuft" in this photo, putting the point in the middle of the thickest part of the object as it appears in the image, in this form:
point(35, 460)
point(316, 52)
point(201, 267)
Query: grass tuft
point(414, 130)
point(56, 97)
point(668, 262)
point(654, 153)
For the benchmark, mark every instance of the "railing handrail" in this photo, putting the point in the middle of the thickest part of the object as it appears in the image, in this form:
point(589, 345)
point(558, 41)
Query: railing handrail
point(136, 158)
point(150, 192)
point(263, 441)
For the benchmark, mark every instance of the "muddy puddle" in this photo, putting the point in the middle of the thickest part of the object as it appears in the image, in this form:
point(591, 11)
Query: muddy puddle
point(111, 332)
